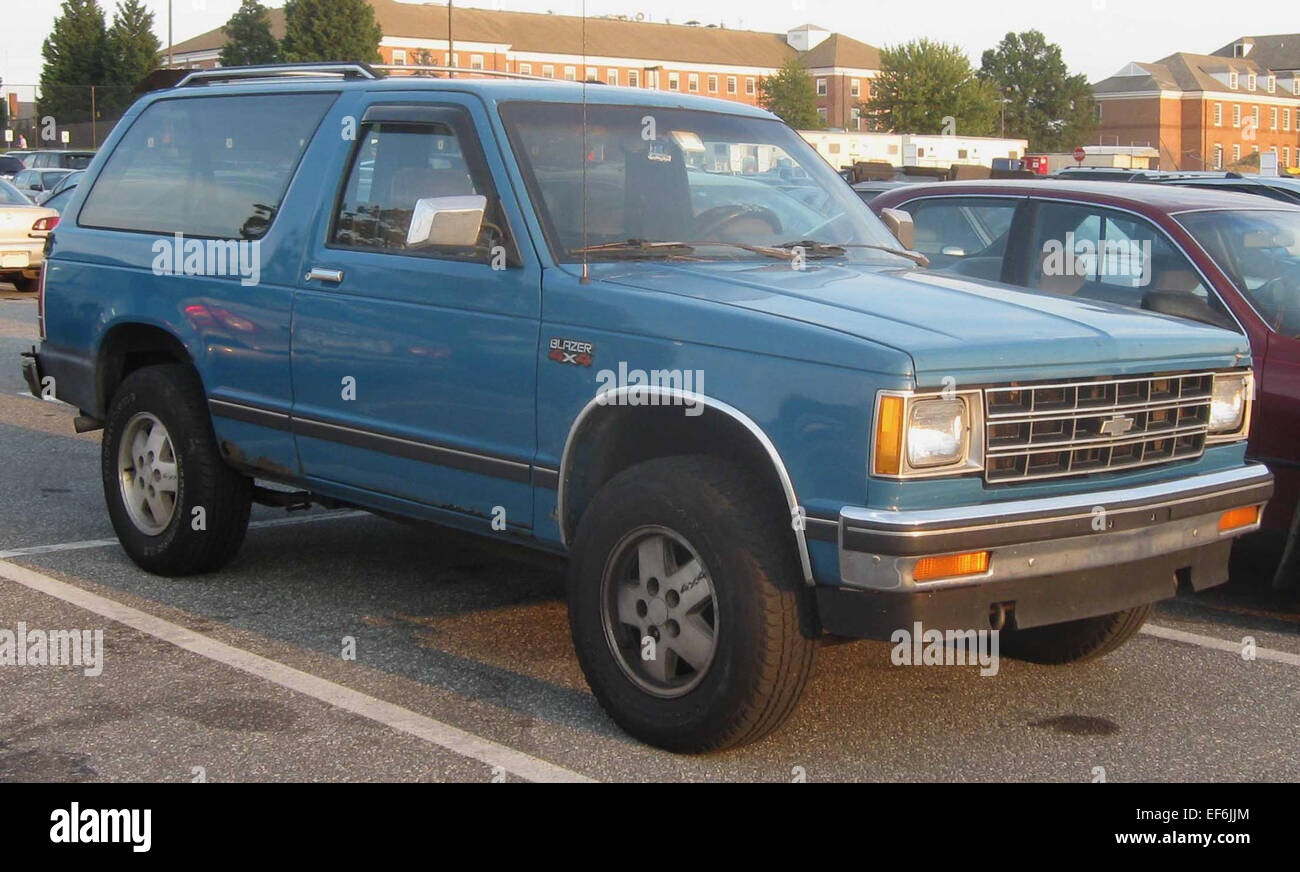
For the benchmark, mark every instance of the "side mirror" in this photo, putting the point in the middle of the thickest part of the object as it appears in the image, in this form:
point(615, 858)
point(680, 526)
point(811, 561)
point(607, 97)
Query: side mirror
point(453, 221)
point(900, 224)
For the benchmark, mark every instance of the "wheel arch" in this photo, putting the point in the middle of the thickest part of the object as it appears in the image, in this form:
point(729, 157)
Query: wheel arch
point(127, 346)
point(610, 434)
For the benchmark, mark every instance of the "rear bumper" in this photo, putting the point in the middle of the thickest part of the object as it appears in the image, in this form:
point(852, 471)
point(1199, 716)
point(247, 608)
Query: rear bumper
point(21, 256)
point(1049, 560)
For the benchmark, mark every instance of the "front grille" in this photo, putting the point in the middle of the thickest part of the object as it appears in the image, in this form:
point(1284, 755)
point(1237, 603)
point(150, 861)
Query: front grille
point(1076, 428)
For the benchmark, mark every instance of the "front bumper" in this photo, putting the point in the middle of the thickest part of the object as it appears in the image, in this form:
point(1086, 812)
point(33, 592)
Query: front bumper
point(1051, 559)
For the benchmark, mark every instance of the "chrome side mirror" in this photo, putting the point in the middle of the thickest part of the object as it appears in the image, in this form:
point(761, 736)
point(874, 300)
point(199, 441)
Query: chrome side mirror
point(453, 221)
point(900, 224)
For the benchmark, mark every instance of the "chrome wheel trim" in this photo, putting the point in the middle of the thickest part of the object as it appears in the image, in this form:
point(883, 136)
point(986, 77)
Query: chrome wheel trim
point(148, 473)
point(655, 588)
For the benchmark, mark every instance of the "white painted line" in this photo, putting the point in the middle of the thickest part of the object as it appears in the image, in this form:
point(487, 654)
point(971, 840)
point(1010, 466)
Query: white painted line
point(102, 543)
point(1220, 644)
point(401, 719)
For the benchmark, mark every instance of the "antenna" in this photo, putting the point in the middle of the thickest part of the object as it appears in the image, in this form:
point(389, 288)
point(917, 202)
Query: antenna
point(586, 272)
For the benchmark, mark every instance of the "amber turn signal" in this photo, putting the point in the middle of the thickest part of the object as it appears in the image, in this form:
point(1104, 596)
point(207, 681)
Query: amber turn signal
point(889, 436)
point(969, 563)
point(1235, 518)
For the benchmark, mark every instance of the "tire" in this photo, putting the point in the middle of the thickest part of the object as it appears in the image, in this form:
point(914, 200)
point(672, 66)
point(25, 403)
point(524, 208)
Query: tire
point(24, 284)
point(159, 533)
point(1075, 641)
point(744, 598)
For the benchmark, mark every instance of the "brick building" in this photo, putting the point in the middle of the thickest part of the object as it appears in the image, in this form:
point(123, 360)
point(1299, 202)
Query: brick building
point(690, 57)
point(1211, 111)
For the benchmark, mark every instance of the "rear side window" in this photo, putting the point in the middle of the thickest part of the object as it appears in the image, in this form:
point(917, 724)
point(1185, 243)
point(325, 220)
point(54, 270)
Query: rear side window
point(205, 166)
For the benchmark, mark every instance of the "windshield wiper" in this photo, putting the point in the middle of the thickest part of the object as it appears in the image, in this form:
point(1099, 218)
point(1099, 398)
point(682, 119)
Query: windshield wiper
point(831, 248)
point(635, 246)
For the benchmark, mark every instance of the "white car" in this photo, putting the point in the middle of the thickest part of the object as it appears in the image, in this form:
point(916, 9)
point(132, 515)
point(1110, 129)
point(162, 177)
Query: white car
point(23, 228)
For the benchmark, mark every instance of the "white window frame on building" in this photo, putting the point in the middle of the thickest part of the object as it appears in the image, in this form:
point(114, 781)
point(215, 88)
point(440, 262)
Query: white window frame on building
point(1250, 80)
point(674, 81)
point(476, 62)
point(821, 87)
point(548, 71)
point(821, 113)
point(855, 115)
point(1254, 116)
point(1218, 114)
point(634, 78)
point(1218, 157)
point(1236, 152)
point(693, 83)
point(399, 57)
point(1286, 155)
point(1233, 80)
point(713, 83)
point(525, 68)
point(570, 74)
point(612, 77)
point(1272, 118)
point(751, 86)
point(733, 85)
point(1286, 119)
point(1236, 114)
point(1272, 83)
point(855, 88)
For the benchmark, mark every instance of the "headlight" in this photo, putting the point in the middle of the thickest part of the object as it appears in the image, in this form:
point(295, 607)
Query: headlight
point(1228, 401)
point(936, 432)
point(927, 434)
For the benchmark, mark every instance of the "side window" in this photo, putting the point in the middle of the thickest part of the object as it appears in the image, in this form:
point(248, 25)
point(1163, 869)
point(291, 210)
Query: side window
point(398, 163)
point(1112, 256)
point(965, 235)
point(205, 166)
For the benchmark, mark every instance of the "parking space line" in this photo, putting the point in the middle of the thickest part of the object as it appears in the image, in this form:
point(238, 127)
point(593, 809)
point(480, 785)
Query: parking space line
point(101, 543)
point(1219, 644)
point(394, 716)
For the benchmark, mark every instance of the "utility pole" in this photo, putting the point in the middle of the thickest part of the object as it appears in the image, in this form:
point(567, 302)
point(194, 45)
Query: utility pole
point(169, 34)
point(451, 46)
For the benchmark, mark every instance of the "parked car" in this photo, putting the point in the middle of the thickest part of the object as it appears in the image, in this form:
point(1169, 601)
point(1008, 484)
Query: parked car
point(1216, 257)
point(34, 183)
point(748, 421)
point(67, 183)
point(1103, 174)
point(1285, 189)
point(868, 189)
point(23, 228)
point(21, 154)
point(62, 159)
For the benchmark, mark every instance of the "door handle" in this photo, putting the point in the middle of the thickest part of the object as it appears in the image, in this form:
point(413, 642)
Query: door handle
point(325, 275)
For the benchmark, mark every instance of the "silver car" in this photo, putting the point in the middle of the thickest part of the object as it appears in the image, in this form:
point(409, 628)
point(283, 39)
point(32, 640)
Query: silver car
point(23, 228)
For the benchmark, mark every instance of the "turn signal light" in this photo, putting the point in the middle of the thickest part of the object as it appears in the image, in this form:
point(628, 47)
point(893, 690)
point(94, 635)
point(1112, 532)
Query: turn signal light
point(1236, 518)
point(889, 436)
point(969, 563)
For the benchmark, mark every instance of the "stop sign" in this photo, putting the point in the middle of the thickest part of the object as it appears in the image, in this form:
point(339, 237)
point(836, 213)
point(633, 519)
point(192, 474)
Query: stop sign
point(1080, 154)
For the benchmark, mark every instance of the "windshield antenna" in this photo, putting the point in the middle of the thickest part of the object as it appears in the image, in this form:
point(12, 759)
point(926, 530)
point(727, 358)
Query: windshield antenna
point(586, 274)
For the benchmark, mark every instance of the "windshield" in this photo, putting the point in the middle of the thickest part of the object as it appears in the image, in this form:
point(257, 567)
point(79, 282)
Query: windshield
point(680, 183)
point(1260, 252)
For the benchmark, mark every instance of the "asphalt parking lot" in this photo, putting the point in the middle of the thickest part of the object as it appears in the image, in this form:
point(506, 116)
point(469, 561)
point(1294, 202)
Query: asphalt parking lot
point(464, 670)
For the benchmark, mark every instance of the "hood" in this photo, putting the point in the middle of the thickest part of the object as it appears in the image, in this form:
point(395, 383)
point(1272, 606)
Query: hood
point(949, 325)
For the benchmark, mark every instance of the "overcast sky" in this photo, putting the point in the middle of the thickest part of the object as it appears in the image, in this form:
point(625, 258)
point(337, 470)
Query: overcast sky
point(1097, 37)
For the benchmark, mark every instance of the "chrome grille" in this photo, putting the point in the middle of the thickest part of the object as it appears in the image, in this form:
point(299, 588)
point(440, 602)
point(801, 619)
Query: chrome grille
point(1076, 428)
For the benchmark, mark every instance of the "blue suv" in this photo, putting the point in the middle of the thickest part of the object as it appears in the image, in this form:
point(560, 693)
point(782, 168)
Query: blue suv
point(650, 331)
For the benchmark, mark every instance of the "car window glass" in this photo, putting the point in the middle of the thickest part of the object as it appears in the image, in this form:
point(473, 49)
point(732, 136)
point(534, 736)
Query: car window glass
point(205, 166)
point(397, 164)
point(59, 200)
point(964, 235)
point(1259, 251)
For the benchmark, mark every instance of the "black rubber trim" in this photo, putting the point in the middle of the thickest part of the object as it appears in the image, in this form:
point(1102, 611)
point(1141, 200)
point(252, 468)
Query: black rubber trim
point(822, 529)
point(546, 477)
point(249, 414)
point(925, 539)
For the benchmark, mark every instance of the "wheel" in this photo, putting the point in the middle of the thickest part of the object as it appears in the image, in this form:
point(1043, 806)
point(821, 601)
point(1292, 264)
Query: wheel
point(1075, 641)
point(24, 284)
point(684, 600)
point(177, 508)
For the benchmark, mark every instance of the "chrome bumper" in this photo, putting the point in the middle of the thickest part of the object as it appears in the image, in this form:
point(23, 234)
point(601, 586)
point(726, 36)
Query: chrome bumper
point(1050, 536)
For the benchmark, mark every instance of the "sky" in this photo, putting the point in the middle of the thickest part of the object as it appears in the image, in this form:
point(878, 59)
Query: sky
point(1097, 37)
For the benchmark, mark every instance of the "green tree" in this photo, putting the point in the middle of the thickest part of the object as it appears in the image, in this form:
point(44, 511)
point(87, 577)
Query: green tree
point(74, 60)
point(791, 95)
point(330, 30)
point(248, 37)
point(930, 87)
point(131, 53)
point(1043, 103)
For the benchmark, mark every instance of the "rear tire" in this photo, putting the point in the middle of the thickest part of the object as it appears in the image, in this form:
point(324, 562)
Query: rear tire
point(1075, 641)
point(25, 285)
point(177, 508)
point(689, 551)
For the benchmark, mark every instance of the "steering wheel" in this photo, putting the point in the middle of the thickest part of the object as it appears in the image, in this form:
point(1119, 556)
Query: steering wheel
point(712, 223)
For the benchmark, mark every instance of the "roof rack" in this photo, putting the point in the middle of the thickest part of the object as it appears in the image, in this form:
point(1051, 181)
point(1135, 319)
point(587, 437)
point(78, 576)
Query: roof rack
point(274, 71)
point(470, 72)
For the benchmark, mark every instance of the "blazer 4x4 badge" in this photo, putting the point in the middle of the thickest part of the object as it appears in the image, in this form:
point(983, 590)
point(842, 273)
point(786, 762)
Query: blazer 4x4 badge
point(571, 351)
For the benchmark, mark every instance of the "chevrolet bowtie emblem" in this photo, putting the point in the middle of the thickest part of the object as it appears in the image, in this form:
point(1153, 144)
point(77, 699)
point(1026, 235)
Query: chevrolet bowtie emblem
point(1117, 426)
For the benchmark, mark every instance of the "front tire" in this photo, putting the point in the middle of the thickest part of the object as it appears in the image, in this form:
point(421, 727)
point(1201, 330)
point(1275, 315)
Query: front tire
point(684, 601)
point(176, 507)
point(1076, 641)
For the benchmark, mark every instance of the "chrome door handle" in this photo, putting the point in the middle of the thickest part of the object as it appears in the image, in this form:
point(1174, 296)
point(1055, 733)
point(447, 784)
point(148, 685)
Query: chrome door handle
point(325, 275)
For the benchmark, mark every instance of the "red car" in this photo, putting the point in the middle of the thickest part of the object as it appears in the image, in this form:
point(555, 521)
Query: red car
point(1222, 258)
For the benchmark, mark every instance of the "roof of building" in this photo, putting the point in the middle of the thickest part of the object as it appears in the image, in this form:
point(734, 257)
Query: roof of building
point(596, 37)
point(1181, 71)
point(1278, 51)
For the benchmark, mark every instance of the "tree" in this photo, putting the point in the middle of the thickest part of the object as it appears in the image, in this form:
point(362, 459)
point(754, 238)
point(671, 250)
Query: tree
point(791, 95)
point(330, 30)
point(131, 53)
point(248, 37)
point(1044, 104)
point(74, 60)
point(930, 87)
